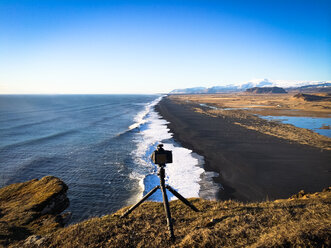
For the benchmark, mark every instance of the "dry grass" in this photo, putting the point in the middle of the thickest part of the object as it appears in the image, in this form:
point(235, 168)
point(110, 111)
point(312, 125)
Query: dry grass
point(264, 104)
point(304, 221)
point(24, 208)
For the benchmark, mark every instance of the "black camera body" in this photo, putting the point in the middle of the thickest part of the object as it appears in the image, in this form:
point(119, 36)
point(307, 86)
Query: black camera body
point(161, 156)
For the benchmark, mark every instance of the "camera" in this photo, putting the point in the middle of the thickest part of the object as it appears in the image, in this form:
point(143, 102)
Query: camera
point(161, 156)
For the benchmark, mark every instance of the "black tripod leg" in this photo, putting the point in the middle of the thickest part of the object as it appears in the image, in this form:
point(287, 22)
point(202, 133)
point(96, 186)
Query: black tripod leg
point(141, 201)
point(167, 209)
point(180, 197)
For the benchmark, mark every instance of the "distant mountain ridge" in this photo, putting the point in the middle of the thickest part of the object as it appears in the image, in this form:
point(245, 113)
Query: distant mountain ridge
point(266, 90)
point(321, 86)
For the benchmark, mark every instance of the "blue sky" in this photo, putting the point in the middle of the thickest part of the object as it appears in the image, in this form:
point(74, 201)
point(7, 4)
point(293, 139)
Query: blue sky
point(155, 46)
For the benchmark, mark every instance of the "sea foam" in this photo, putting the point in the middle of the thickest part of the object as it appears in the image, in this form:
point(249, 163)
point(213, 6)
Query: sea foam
point(185, 174)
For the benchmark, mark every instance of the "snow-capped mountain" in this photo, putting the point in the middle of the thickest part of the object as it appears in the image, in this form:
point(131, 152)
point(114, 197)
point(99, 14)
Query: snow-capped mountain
point(292, 85)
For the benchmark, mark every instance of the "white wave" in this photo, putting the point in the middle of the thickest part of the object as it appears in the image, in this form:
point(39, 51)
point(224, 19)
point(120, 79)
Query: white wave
point(140, 117)
point(185, 173)
point(142, 164)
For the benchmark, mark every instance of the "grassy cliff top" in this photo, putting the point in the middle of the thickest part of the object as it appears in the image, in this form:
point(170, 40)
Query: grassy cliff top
point(301, 221)
point(31, 207)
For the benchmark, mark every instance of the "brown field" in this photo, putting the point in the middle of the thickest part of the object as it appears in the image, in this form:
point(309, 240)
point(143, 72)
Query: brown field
point(264, 104)
point(243, 108)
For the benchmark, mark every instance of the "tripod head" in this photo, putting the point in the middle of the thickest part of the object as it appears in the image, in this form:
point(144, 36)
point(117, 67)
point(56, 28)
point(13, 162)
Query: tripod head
point(161, 157)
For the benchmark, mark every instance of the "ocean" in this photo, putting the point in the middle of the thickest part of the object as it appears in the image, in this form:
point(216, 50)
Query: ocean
point(99, 145)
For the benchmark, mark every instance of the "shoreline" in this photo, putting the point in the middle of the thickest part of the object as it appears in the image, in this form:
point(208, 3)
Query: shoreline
point(252, 166)
point(151, 130)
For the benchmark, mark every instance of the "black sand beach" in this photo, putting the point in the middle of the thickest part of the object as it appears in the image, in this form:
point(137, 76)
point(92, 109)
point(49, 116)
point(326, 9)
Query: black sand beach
point(252, 166)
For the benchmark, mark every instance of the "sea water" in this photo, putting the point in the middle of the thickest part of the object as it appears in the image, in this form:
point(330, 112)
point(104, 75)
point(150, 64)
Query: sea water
point(316, 124)
point(99, 145)
point(313, 123)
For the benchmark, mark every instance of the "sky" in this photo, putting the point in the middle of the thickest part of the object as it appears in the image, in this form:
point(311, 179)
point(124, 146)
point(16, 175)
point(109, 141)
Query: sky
point(137, 47)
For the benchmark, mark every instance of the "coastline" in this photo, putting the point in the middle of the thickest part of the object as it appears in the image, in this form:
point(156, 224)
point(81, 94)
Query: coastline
point(252, 166)
point(151, 130)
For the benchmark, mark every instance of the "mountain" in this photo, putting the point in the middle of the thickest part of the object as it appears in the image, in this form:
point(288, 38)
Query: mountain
point(266, 90)
point(217, 89)
point(196, 90)
point(308, 86)
point(311, 98)
point(322, 87)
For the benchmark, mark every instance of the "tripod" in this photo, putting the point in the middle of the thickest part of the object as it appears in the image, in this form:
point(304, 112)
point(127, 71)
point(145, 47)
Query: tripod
point(163, 187)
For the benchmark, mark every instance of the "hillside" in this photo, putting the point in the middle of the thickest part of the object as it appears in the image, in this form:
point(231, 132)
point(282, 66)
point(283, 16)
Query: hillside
point(310, 97)
point(316, 88)
point(266, 90)
point(303, 220)
point(32, 207)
